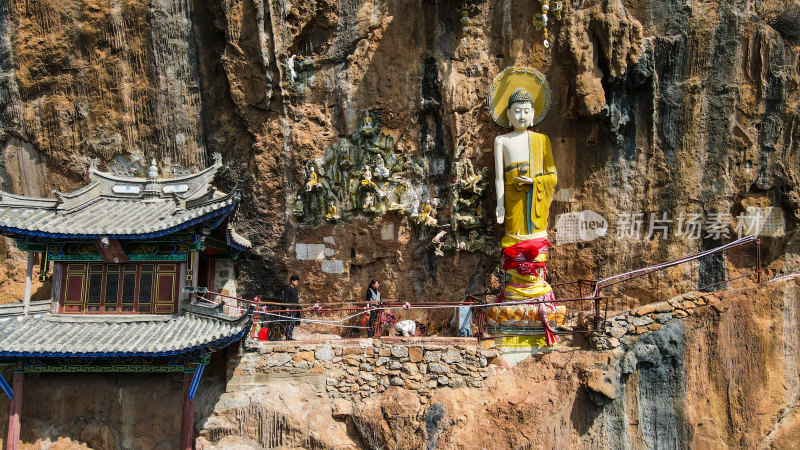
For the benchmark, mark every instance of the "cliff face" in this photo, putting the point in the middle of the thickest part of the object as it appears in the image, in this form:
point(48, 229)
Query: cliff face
point(686, 108)
point(676, 108)
point(725, 377)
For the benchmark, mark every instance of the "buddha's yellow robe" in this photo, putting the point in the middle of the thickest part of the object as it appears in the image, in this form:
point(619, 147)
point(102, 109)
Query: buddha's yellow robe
point(528, 206)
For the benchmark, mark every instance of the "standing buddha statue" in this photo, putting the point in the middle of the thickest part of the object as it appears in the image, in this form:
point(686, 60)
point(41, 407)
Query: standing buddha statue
point(525, 180)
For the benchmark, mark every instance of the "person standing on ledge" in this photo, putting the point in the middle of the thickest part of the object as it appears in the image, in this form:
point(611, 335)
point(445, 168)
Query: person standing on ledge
point(290, 296)
point(373, 300)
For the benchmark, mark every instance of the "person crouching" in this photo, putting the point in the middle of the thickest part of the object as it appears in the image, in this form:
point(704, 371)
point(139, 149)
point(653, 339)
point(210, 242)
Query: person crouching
point(410, 328)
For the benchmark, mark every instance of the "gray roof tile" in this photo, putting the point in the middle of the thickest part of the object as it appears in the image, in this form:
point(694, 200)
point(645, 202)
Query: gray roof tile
point(47, 335)
point(111, 217)
point(98, 209)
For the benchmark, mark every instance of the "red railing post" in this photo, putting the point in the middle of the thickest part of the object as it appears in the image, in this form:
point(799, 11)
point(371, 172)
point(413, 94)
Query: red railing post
point(596, 314)
point(377, 327)
point(479, 318)
point(758, 261)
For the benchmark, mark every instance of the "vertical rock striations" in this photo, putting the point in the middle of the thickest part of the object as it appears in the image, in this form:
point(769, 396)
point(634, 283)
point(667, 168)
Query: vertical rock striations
point(676, 108)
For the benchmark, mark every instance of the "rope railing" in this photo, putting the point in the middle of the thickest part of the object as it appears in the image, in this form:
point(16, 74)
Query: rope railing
point(627, 276)
point(352, 310)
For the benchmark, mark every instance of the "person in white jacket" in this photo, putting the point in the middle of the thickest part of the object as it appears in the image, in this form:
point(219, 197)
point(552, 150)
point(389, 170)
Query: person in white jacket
point(410, 328)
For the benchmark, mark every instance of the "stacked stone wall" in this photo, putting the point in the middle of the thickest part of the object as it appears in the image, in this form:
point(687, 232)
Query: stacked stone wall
point(357, 369)
point(624, 328)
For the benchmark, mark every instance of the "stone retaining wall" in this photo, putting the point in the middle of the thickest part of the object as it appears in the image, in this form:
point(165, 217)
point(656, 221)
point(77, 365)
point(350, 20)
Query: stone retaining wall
point(622, 328)
point(356, 369)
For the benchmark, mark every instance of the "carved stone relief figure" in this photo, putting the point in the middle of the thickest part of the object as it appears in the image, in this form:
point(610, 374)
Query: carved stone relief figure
point(366, 178)
point(414, 210)
point(299, 73)
point(345, 154)
point(298, 207)
point(313, 180)
point(380, 167)
point(360, 176)
point(367, 203)
point(332, 214)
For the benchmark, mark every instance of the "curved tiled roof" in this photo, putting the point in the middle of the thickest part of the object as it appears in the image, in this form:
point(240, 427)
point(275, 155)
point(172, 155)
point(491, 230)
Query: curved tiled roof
point(119, 207)
point(63, 336)
point(238, 241)
point(113, 217)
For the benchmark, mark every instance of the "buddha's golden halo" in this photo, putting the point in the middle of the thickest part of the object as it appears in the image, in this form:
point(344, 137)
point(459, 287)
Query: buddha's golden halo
point(507, 81)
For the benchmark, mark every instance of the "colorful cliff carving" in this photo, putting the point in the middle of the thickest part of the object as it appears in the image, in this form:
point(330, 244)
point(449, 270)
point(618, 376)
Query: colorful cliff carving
point(362, 176)
point(525, 179)
point(300, 73)
point(468, 222)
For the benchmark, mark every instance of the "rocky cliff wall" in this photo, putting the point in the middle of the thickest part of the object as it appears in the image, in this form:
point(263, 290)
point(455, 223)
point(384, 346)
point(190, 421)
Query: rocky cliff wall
point(725, 375)
point(108, 410)
point(678, 108)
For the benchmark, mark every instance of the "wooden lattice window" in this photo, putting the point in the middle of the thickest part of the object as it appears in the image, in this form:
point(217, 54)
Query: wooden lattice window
point(114, 288)
point(112, 284)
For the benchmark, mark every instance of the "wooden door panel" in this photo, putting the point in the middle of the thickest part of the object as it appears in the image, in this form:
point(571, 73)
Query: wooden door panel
point(165, 293)
point(74, 289)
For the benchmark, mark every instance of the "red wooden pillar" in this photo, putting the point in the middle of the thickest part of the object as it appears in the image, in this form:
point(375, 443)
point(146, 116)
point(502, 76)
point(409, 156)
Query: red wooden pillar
point(187, 418)
point(12, 438)
point(378, 325)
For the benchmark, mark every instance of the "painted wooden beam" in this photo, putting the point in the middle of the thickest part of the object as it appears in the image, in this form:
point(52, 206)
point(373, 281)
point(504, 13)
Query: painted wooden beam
point(196, 380)
point(6, 388)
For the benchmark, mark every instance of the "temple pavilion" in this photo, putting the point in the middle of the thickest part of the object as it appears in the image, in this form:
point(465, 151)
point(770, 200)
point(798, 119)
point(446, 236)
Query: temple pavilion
point(125, 256)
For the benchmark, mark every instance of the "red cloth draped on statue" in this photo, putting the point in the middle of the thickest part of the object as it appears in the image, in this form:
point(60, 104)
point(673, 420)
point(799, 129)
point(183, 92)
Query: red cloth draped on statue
point(521, 257)
point(527, 250)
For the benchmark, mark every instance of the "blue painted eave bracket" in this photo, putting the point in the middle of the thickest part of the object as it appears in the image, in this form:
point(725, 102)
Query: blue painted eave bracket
point(195, 380)
point(6, 388)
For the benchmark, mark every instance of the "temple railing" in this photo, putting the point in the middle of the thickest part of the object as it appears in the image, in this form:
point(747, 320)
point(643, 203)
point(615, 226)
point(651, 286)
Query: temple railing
point(587, 301)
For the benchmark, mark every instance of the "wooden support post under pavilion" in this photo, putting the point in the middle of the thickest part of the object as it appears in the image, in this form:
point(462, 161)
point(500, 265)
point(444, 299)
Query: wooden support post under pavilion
point(12, 438)
point(187, 418)
point(195, 267)
point(26, 297)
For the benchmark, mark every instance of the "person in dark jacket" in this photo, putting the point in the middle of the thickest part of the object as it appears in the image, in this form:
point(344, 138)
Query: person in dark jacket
point(373, 299)
point(290, 296)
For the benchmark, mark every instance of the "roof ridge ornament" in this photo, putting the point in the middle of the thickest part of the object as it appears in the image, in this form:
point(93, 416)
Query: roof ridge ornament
point(58, 195)
point(180, 203)
point(153, 186)
point(153, 172)
point(217, 157)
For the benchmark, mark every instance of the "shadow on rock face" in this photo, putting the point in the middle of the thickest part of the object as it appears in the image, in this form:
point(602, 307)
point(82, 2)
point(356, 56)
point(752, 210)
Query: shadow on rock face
point(585, 409)
point(659, 359)
point(433, 424)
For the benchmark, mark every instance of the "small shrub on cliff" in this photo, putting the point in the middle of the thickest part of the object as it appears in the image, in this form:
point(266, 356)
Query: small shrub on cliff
point(367, 420)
